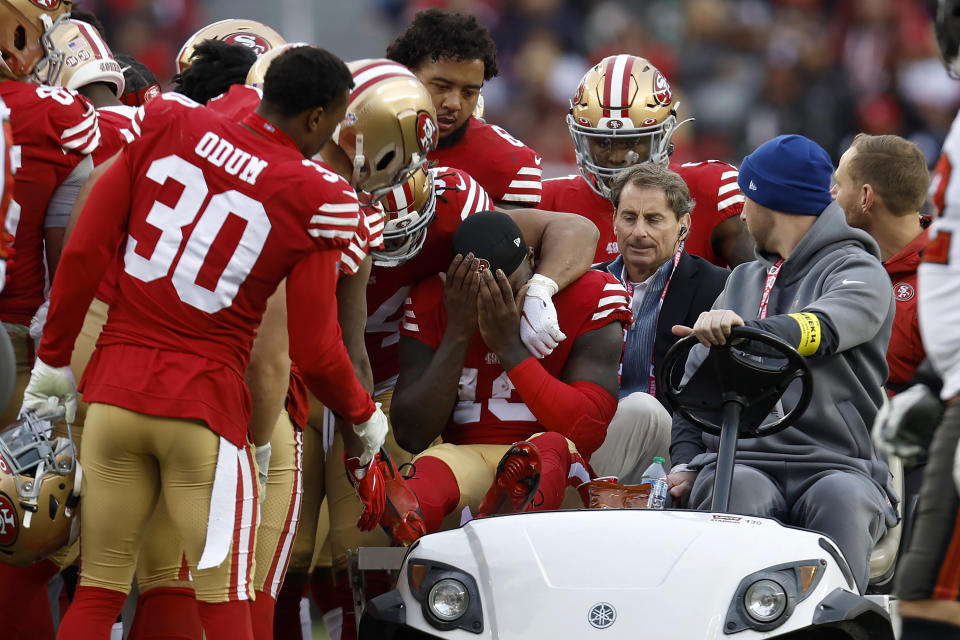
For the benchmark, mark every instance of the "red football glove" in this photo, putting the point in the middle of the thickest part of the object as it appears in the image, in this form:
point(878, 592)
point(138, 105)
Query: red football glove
point(371, 488)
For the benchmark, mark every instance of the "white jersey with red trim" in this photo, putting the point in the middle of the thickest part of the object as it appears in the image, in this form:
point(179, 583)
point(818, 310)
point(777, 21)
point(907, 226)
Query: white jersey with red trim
point(939, 273)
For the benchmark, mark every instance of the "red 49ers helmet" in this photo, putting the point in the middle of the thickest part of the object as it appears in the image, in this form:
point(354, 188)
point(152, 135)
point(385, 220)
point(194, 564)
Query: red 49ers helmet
point(249, 33)
point(23, 24)
point(39, 491)
point(389, 128)
point(82, 56)
point(408, 209)
point(623, 114)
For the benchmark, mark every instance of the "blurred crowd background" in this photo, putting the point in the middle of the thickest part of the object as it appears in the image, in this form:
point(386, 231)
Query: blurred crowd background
point(746, 70)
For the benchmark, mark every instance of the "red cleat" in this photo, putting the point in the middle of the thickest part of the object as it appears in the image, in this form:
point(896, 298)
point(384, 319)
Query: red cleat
point(516, 483)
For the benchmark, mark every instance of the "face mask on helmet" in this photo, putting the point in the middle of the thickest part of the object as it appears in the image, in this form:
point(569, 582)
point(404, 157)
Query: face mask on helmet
point(409, 210)
point(389, 128)
point(39, 490)
point(623, 114)
point(23, 27)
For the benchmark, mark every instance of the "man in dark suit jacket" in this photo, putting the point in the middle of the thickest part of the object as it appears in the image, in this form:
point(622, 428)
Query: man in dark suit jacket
point(668, 286)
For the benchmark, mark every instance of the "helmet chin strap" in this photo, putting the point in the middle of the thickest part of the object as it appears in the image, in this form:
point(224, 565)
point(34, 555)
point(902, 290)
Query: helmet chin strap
point(358, 161)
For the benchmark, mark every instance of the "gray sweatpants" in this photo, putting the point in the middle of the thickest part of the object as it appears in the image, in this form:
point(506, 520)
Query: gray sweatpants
point(846, 506)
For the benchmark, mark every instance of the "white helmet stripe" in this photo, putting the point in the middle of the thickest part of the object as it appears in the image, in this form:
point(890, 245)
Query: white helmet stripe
point(379, 70)
point(618, 78)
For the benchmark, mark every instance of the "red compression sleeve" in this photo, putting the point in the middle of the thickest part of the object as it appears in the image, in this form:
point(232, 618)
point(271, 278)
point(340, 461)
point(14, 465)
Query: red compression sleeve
point(316, 344)
point(580, 410)
point(93, 244)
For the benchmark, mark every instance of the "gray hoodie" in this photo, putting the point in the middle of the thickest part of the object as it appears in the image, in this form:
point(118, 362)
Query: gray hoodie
point(835, 272)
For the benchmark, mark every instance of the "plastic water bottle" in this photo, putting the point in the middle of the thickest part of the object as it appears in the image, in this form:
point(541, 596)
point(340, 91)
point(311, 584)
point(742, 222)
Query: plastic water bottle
point(656, 476)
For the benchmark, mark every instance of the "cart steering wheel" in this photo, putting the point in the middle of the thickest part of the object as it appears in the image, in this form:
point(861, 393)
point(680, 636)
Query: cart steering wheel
point(755, 372)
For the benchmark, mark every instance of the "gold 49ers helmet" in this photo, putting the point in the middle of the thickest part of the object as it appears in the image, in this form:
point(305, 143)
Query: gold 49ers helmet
point(389, 128)
point(23, 24)
point(623, 114)
point(82, 56)
point(39, 490)
point(408, 209)
point(259, 68)
point(249, 33)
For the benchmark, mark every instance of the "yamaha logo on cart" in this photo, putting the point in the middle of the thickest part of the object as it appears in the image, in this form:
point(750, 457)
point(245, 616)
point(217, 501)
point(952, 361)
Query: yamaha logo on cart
point(602, 615)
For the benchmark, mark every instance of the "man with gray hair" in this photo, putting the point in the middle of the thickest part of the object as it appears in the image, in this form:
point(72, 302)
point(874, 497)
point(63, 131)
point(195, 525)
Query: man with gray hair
point(817, 284)
point(667, 286)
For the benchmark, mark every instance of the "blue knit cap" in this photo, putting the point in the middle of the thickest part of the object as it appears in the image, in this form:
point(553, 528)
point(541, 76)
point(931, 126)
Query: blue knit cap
point(789, 174)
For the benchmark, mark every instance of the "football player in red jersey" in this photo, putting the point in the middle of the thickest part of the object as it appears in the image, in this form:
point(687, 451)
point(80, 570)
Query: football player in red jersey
point(466, 376)
point(181, 328)
point(166, 603)
point(453, 54)
point(624, 113)
point(55, 131)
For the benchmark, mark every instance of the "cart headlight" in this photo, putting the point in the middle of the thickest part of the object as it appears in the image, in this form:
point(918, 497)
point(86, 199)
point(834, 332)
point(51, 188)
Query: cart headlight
point(765, 600)
point(448, 596)
point(448, 599)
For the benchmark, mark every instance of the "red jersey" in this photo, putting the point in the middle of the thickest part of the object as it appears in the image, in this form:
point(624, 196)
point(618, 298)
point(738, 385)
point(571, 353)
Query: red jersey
point(458, 196)
point(212, 219)
point(506, 168)
point(237, 101)
point(905, 352)
point(489, 410)
point(116, 132)
point(713, 187)
point(54, 129)
point(6, 189)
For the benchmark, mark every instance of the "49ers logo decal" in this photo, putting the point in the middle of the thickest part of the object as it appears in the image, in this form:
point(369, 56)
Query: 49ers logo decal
point(426, 132)
point(661, 89)
point(48, 5)
point(249, 40)
point(9, 523)
point(577, 99)
point(903, 291)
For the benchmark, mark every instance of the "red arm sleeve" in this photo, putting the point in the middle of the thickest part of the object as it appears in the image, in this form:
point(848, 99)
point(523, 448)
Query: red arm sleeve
point(316, 344)
point(100, 228)
point(581, 410)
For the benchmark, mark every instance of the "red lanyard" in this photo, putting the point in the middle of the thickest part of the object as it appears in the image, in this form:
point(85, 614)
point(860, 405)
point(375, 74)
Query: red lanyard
point(663, 294)
point(768, 287)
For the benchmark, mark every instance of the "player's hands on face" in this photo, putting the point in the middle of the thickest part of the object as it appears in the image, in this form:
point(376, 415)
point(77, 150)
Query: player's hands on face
point(499, 318)
point(713, 327)
point(460, 289)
